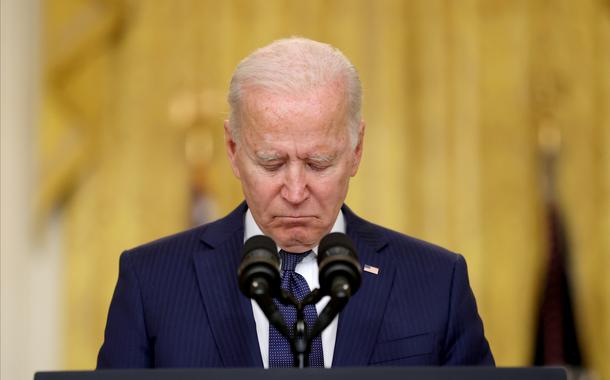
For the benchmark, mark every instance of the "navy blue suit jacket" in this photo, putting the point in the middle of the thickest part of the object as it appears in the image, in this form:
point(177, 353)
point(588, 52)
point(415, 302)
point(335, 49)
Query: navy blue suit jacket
point(177, 304)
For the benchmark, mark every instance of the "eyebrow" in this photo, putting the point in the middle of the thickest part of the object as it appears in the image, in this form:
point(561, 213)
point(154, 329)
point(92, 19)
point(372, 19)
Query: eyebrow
point(267, 156)
point(323, 158)
point(271, 156)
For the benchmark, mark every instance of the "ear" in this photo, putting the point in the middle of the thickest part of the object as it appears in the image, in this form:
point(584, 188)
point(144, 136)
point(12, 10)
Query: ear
point(232, 147)
point(358, 149)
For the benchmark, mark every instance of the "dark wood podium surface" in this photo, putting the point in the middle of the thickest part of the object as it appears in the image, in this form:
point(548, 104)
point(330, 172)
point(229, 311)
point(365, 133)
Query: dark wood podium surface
point(365, 373)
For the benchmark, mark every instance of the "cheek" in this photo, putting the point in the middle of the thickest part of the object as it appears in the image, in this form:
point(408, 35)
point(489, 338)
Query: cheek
point(260, 189)
point(332, 189)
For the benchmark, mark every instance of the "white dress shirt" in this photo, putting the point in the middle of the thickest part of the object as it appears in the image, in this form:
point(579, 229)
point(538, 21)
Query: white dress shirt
point(308, 268)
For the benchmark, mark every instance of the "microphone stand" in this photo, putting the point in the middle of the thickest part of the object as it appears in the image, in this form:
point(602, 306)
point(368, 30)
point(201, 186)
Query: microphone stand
point(302, 335)
point(300, 341)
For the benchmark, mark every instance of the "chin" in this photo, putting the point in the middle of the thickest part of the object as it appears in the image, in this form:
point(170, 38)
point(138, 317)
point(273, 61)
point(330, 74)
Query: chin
point(295, 242)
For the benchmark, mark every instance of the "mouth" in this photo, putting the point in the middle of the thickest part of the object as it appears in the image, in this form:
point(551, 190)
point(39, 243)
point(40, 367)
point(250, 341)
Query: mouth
point(294, 219)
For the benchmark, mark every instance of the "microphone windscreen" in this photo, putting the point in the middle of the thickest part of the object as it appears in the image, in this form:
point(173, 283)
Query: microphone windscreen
point(336, 239)
point(259, 242)
point(338, 264)
point(260, 267)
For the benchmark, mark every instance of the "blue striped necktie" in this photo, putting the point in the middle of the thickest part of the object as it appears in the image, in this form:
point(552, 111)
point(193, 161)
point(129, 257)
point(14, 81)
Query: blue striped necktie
point(280, 354)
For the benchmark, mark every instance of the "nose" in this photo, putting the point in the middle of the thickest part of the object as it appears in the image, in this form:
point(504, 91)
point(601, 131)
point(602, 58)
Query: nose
point(295, 189)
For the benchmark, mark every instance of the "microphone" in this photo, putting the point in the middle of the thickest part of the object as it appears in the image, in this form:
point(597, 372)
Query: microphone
point(259, 277)
point(339, 268)
point(259, 271)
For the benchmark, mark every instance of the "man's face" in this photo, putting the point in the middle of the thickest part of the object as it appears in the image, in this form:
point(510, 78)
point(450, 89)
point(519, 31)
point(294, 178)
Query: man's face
point(294, 160)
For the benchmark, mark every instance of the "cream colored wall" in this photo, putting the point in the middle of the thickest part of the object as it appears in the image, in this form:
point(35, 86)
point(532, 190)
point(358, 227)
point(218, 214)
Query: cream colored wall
point(31, 335)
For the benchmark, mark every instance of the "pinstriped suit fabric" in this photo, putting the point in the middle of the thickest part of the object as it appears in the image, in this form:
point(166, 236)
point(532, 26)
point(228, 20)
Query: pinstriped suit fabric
point(177, 304)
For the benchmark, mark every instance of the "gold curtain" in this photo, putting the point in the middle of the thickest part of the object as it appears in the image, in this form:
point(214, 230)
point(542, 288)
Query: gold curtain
point(455, 95)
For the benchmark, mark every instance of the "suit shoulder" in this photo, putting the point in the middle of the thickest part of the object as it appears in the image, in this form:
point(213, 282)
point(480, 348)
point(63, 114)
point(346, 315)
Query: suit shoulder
point(172, 244)
point(193, 233)
point(182, 244)
point(403, 244)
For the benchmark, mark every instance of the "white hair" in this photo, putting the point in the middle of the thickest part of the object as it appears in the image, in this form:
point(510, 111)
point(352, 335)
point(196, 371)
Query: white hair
point(293, 66)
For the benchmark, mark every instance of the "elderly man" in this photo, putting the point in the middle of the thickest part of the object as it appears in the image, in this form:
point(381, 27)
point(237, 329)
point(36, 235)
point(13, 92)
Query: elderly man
point(294, 138)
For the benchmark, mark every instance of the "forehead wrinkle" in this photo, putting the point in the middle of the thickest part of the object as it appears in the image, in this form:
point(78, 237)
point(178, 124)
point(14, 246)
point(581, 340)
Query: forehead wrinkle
point(268, 118)
point(289, 106)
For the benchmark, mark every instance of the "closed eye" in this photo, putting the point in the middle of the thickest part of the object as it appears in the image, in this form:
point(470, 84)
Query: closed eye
point(271, 167)
point(317, 167)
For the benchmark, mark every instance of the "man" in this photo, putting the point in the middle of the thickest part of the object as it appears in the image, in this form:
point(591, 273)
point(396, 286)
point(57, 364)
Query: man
point(294, 138)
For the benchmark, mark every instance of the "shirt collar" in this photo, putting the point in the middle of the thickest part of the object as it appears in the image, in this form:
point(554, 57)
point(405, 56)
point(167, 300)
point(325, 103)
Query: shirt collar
point(252, 229)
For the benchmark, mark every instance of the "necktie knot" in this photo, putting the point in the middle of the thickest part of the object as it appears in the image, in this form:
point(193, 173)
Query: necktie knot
point(290, 260)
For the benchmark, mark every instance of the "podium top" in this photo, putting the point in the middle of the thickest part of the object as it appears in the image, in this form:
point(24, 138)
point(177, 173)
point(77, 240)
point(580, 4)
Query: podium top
point(366, 373)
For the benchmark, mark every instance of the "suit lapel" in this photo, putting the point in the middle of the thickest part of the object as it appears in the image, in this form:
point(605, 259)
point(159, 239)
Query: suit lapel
point(360, 321)
point(229, 312)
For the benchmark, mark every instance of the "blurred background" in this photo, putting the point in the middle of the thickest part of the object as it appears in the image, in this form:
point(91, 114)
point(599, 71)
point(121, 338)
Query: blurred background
point(488, 132)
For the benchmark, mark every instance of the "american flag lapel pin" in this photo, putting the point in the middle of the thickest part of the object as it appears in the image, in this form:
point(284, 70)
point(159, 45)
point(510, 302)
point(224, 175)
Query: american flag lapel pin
point(371, 269)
